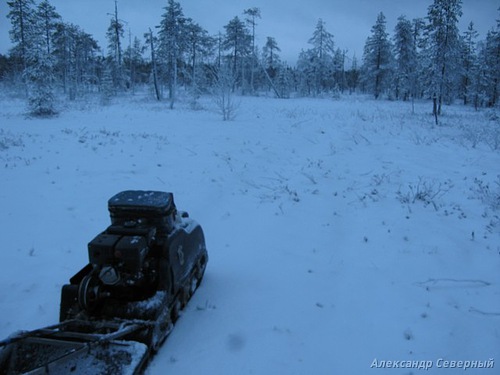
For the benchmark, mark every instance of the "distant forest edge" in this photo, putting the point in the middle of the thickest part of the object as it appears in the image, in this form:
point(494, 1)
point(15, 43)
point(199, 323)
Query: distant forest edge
point(425, 58)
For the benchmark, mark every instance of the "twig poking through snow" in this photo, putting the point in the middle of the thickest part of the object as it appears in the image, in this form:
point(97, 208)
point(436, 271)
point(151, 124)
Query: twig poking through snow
point(476, 311)
point(452, 283)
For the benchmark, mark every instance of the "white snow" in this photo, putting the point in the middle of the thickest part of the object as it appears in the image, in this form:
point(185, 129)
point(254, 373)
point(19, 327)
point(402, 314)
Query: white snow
point(339, 232)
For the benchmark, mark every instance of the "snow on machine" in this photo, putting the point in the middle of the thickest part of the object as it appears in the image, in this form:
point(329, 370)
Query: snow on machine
point(118, 309)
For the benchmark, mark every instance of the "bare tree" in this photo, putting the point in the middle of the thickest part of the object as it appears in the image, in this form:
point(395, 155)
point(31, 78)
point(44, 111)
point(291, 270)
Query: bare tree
point(150, 39)
point(222, 91)
point(253, 14)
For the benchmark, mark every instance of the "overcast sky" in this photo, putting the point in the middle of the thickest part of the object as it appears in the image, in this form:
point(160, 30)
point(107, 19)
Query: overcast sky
point(290, 22)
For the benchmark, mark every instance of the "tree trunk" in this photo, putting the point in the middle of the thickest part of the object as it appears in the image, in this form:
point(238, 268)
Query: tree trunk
point(153, 62)
point(434, 108)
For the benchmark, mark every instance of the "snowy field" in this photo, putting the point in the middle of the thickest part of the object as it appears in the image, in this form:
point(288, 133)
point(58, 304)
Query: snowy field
point(341, 233)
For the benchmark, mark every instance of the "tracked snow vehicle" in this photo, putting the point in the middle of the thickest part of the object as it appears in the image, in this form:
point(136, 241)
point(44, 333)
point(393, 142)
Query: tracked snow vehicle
point(119, 308)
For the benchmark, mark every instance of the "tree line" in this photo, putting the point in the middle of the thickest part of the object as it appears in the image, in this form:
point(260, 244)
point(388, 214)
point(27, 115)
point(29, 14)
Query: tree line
point(430, 58)
point(424, 59)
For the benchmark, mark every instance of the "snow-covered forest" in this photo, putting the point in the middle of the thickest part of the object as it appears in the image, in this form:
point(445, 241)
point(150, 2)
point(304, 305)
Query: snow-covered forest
point(424, 58)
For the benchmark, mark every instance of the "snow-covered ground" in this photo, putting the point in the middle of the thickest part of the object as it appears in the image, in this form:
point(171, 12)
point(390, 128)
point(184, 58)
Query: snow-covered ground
point(341, 233)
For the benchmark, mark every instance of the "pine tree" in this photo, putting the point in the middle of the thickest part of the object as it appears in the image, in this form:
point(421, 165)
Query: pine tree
point(237, 40)
point(339, 73)
point(405, 52)
point(5, 67)
point(270, 56)
point(48, 19)
point(114, 35)
point(271, 64)
point(377, 59)
point(469, 62)
point(307, 82)
point(30, 47)
point(322, 41)
point(76, 59)
point(442, 51)
point(22, 18)
point(322, 51)
point(172, 37)
point(490, 62)
point(316, 64)
point(133, 61)
point(87, 62)
point(352, 75)
point(481, 78)
point(39, 72)
point(284, 81)
point(485, 85)
point(418, 27)
point(61, 50)
point(39, 75)
point(199, 46)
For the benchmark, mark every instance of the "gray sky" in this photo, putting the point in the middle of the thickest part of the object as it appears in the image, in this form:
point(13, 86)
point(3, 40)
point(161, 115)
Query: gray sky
point(290, 22)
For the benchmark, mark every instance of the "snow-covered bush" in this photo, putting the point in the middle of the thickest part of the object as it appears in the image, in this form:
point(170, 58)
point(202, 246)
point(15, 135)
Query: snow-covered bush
point(488, 195)
point(107, 89)
point(487, 131)
point(223, 94)
point(426, 191)
point(8, 140)
point(492, 130)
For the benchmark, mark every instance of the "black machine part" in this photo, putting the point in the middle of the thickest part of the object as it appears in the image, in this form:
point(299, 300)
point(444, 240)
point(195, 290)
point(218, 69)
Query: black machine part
point(149, 246)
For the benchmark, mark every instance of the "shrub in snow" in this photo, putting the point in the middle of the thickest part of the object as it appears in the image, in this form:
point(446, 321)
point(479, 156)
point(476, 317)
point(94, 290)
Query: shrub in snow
point(107, 87)
point(223, 94)
point(284, 83)
point(408, 334)
point(425, 191)
point(492, 130)
point(8, 140)
point(487, 132)
point(488, 195)
point(378, 180)
point(41, 103)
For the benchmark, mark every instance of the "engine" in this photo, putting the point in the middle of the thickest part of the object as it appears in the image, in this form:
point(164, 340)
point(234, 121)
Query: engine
point(148, 247)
